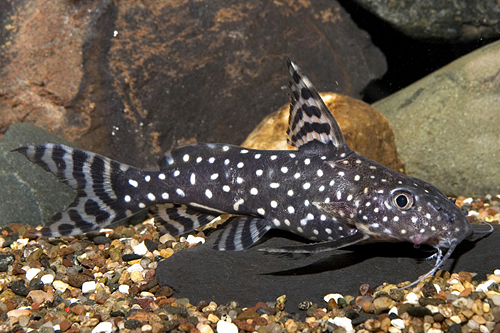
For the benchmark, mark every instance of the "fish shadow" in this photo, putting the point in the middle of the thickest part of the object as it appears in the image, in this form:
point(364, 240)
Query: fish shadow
point(386, 254)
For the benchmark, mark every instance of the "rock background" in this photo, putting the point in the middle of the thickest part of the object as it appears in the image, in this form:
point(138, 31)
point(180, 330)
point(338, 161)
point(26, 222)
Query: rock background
point(130, 80)
point(447, 124)
point(460, 20)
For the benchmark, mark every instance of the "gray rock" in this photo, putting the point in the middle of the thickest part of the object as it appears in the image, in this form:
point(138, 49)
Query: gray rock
point(460, 20)
point(28, 194)
point(250, 276)
point(447, 124)
point(130, 80)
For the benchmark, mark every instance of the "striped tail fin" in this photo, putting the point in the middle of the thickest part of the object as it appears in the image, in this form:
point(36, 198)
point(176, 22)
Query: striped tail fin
point(100, 184)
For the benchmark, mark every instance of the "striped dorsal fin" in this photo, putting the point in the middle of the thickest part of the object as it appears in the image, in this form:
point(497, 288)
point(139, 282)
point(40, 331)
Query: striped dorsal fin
point(310, 120)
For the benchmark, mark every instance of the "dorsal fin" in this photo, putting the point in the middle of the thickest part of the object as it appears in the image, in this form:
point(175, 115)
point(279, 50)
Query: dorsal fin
point(310, 120)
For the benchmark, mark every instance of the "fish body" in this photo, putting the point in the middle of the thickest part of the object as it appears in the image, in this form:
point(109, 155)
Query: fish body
point(322, 191)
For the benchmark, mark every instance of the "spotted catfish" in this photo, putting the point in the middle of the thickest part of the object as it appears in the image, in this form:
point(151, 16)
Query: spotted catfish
point(323, 191)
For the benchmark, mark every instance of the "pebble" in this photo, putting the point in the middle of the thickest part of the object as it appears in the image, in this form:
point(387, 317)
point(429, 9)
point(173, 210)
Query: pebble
point(88, 287)
point(398, 323)
point(47, 279)
point(31, 273)
point(19, 288)
point(195, 240)
point(60, 286)
point(225, 327)
point(103, 327)
point(140, 249)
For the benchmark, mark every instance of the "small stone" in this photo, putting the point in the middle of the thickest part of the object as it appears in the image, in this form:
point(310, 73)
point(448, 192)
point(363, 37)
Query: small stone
point(140, 249)
point(456, 319)
point(429, 290)
point(132, 324)
point(455, 328)
point(398, 323)
point(15, 314)
point(225, 327)
point(60, 285)
point(419, 311)
point(479, 319)
point(31, 273)
point(124, 289)
point(213, 318)
point(412, 298)
point(101, 240)
point(19, 288)
point(103, 327)
point(343, 322)
point(204, 328)
point(39, 296)
point(136, 276)
point(382, 303)
point(78, 279)
point(88, 287)
point(195, 240)
point(372, 325)
point(47, 279)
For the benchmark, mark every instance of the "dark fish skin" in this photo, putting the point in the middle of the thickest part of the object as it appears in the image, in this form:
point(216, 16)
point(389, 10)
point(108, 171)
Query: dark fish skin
point(323, 191)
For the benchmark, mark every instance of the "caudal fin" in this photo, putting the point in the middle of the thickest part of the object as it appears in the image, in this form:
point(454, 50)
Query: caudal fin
point(100, 184)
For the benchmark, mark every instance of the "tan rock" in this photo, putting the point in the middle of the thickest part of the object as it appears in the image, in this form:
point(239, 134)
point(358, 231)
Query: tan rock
point(365, 130)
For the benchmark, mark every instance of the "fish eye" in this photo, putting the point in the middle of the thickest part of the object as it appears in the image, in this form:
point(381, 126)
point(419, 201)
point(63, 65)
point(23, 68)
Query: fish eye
point(402, 200)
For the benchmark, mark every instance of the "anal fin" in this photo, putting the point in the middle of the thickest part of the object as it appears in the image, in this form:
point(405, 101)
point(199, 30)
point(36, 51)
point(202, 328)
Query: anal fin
point(241, 233)
point(180, 219)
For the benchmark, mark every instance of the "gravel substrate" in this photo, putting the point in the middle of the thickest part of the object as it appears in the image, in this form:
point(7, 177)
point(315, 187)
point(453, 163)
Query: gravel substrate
point(106, 283)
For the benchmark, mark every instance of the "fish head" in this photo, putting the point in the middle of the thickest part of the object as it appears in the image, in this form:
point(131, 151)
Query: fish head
point(403, 208)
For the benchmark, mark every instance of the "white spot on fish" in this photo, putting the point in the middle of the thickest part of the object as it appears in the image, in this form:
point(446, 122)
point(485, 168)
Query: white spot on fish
point(306, 186)
point(372, 167)
point(240, 165)
point(259, 172)
point(292, 155)
point(192, 179)
point(356, 178)
point(254, 191)
point(306, 203)
point(307, 161)
point(239, 180)
point(176, 173)
point(299, 229)
point(243, 151)
point(199, 159)
point(161, 176)
point(274, 185)
point(321, 188)
point(274, 204)
point(226, 161)
point(396, 218)
point(133, 182)
point(211, 160)
point(276, 222)
point(315, 231)
point(257, 156)
point(319, 173)
point(127, 198)
point(341, 173)
point(339, 195)
point(287, 222)
point(164, 195)
point(328, 231)
point(185, 158)
point(225, 148)
point(226, 188)
point(237, 204)
point(151, 197)
point(214, 176)
point(296, 176)
point(273, 157)
point(141, 205)
point(290, 193)
point(291, 209)
point(349, 197)
point(284, 169)
point(208, 193)
point(180, 192)
point(261, 211)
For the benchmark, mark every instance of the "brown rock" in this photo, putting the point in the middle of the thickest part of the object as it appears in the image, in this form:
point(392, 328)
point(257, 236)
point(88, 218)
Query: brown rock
point(78, 279)
point(131, 79)
point(366, 131)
